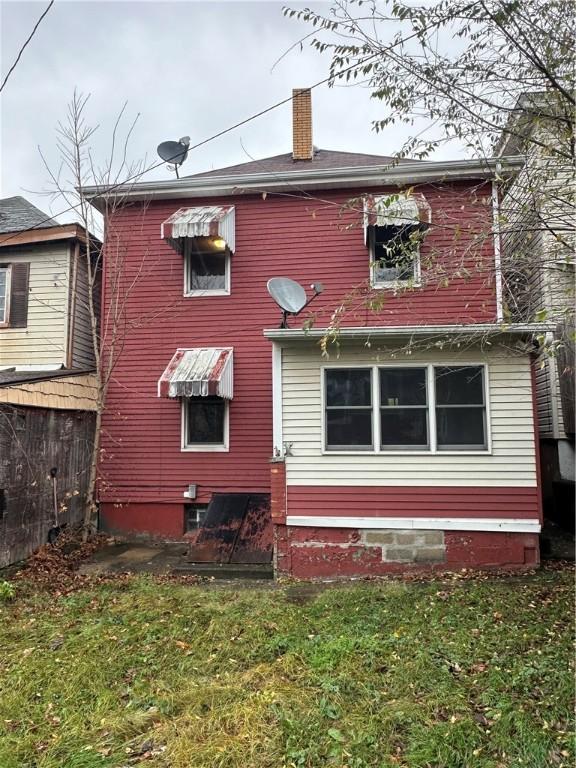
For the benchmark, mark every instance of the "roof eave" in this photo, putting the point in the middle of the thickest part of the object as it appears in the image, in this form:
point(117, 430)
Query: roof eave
point(46, 234)
point(421, 331)
point(305, 179)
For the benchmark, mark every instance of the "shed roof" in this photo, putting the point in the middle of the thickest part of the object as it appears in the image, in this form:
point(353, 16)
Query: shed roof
point(16, 214)
point(10, 376)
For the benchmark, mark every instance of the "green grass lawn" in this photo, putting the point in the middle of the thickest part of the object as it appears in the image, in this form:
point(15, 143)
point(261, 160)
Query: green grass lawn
point(459, 674)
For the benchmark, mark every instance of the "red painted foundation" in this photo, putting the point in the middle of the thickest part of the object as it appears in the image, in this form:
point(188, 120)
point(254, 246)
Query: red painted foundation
point(164, 522)
point(309, 553)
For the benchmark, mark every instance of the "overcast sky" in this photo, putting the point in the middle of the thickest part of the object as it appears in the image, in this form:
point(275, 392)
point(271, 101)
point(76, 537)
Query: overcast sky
point(187, 68)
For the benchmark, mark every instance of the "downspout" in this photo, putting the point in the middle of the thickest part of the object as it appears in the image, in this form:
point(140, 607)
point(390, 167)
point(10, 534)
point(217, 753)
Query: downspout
point(497, 247)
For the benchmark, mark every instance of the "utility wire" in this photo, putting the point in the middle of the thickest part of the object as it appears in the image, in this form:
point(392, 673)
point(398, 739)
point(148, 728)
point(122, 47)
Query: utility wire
point(21, 51)
point(331, 77)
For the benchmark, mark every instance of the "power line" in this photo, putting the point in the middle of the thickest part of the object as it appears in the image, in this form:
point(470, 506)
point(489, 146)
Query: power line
point(21, 51)
point(331, 77)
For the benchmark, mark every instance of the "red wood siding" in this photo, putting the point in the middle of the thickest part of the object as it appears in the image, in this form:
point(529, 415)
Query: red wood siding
point(306, 239)
point(387, 501)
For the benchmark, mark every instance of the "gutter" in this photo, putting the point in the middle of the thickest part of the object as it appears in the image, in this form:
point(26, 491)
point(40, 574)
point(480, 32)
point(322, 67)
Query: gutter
point(308, 178)
point(391, 331)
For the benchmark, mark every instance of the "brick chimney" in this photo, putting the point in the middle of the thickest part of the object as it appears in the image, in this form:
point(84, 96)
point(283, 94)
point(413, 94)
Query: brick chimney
point(302, 148)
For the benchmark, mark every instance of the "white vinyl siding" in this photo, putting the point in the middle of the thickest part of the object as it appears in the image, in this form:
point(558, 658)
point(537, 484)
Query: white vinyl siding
point(43, 341)
point(511, 460)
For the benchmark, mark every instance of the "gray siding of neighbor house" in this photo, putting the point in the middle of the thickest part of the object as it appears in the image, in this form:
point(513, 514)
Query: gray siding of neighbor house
point(32, 441)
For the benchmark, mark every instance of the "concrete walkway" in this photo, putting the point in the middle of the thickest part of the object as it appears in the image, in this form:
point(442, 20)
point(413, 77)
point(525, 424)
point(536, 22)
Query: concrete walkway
point(164, 559)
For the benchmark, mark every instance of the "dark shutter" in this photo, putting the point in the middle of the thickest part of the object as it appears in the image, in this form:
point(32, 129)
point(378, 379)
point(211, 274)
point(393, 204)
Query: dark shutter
point(19, 295)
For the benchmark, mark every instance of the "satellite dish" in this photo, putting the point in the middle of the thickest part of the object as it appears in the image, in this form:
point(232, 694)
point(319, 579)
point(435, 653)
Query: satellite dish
point(290, 296)
point(287, 293)
point(174, 152)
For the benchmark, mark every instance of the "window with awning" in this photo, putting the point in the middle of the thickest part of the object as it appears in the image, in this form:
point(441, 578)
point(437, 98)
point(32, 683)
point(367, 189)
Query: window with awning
point(393, 227)
point(199, 372)
point(210, 221)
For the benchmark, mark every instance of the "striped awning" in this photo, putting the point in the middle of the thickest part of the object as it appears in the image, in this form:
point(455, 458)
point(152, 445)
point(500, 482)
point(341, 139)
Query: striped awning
point(198, 372)
point(207, 221)
point(395, 210)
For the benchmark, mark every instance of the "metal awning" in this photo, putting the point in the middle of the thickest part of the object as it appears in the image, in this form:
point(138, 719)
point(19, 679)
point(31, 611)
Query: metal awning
point(198, 372)
point(207, 221)
point(395, 210)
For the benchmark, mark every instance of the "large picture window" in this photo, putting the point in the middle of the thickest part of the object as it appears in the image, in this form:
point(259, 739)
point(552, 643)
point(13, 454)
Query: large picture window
point(418, 408)
point(205, 424)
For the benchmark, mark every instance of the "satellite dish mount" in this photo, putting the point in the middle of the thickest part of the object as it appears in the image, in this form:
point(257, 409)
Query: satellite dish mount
point(174, 152)
point(291, 296)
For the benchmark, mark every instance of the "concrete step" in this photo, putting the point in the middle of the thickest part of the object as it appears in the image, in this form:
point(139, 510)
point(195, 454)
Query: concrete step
point(226, 570)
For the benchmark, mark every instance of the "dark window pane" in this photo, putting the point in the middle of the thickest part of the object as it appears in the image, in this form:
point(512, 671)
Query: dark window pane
point(349, 386)
point(460, 386)
point(460, 427)
point(205, 420)
point(393, 253)
point(349, 428)
point(402, 386)
point(207, 271)
point(404, 426)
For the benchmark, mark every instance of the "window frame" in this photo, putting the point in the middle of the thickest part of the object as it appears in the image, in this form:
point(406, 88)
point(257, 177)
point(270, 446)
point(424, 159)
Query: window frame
point(415, 280)
point(431, 408)
point(351, 449)
point(5, 322)
point(207, 291)
point(223, 447)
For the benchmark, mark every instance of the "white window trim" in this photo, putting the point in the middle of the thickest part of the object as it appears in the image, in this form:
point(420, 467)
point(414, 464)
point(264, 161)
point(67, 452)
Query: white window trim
point(223, 447)
point(5, 321)
point(207, 292)
point(413, 282)
point(433, 448)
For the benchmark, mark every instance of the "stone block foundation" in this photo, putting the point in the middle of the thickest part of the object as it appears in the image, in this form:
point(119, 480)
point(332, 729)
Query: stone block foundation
point(310, 553)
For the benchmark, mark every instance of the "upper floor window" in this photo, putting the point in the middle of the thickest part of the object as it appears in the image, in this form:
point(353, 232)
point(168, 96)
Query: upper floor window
point(14, 282)
point(206, 267)
point(394, 227)
point(426, 408)
point(4, 294)
point(394, 255)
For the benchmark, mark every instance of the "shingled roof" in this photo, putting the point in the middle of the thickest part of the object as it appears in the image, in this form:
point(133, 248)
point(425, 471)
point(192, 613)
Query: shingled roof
point(323, 158)
point(16, 214)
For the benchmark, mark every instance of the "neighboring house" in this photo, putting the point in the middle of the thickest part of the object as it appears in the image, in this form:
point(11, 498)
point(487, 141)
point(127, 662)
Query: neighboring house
point(47, 383)
point(412, 444)
point(538, 211)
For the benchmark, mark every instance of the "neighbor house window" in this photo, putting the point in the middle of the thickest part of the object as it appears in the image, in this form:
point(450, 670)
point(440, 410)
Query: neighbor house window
point(205, 423)
point(460, 407)
point(206, 266)
point(349, 409)
point(4, 294)
point(417, 408)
